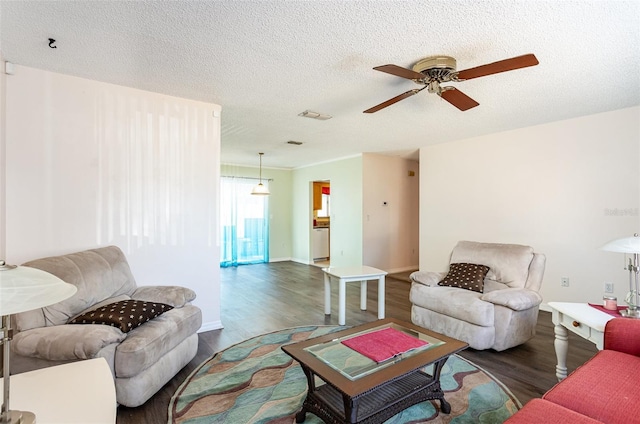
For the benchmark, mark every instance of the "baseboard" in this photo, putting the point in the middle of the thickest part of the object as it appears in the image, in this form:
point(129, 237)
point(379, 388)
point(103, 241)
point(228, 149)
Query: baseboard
point(301, 261)
point(212, 325)
point(306, 262)
point(279, 259)
point(402, 269)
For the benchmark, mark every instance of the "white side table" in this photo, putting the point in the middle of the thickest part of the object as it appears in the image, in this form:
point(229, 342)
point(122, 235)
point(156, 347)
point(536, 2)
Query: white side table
point(580, 318)
point(81, 392)
point(350, 274)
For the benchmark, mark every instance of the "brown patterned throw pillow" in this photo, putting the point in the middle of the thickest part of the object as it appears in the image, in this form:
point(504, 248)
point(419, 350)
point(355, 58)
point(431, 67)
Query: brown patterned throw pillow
point(125, 315)
point(466, 276)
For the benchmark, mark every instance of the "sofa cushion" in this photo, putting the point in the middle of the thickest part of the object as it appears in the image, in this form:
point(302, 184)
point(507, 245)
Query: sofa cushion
point(464, 305)
point(65, 342)
point(516, 299)
point(508, 263)
point(146, 344)
point(175, 296)
point(428, 278)
point(622, 335)
point(539, 411)
point(478, 337)
point(101, 304)
point(604, 388)
point(98, 274)
point(465, 276)
point(125, 314)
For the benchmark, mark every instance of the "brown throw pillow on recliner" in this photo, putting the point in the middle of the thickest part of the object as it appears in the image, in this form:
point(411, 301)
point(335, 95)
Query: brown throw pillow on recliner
point(125, 314)
point(466, 276)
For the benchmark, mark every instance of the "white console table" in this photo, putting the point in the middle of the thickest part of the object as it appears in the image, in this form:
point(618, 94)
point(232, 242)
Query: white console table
point(581, 319)
point(81, 392)
point(350, 274)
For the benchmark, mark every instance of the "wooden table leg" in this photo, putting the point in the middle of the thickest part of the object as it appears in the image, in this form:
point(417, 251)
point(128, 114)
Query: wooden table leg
point(301, 416)
point(350, 409)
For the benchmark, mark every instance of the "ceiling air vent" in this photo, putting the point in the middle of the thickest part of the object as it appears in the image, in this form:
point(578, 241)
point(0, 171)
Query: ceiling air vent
point(314, 115)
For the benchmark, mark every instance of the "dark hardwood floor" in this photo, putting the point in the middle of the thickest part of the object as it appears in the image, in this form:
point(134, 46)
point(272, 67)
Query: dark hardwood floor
point(262, 298)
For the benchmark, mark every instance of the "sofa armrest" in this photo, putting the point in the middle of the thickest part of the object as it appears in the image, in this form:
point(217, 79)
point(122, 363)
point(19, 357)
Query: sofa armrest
point(175, 296)
point(623, 335)
point(65, 342)
point(516, 299)
point(427, 278)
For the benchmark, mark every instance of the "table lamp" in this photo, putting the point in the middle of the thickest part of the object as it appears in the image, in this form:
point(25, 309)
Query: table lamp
point(23, 289)
point(629, 245)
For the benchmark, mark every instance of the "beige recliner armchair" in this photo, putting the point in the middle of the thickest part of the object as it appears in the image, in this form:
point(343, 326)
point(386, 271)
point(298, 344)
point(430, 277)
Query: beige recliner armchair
point(142, 359)
point(502, 315)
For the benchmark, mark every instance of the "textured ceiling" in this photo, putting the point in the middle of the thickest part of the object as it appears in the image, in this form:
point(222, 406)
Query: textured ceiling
point(266, 61)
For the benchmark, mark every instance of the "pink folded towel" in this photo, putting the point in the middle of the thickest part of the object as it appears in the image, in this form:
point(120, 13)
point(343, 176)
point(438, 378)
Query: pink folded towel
point(383, 344)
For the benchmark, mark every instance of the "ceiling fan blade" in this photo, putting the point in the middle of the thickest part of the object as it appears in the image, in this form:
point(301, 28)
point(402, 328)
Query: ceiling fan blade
point(400, 72)
point(458, 99)
point(497, 67)
point(393, 100)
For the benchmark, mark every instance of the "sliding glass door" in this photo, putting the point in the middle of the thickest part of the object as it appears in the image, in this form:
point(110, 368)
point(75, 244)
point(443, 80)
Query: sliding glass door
point(244, 221)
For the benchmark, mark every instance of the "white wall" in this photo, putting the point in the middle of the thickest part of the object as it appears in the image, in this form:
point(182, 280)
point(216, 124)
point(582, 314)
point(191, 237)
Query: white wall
point(3, 167)
point(359, 186)
point(390, 231)
point(345, 176)
point(565, 188)
point(92, 164)
point(280, 186)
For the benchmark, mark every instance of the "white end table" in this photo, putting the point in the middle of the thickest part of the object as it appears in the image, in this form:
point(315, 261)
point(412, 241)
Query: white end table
point(81, 392)
point(350, 274)
point(581, 319)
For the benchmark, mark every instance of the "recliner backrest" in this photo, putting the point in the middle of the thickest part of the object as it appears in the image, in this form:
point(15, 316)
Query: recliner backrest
point(508, 263)
point(98, 274)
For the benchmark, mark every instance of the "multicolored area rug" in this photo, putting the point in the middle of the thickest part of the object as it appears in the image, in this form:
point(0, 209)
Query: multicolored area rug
point(256, 382)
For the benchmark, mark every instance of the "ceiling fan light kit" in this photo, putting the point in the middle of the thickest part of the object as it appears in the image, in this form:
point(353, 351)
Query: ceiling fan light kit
point(433, 71)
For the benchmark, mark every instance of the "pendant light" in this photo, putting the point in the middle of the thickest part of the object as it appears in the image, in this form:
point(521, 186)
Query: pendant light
point(260, 189)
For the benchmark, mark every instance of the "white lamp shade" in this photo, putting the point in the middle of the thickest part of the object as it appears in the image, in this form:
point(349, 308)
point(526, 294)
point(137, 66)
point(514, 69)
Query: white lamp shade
point(23, 289)
point(260, 189)
point(623, 245)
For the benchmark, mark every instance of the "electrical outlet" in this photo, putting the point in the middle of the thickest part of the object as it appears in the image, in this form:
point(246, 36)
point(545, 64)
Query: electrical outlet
point(564, 281)
point(608, 287)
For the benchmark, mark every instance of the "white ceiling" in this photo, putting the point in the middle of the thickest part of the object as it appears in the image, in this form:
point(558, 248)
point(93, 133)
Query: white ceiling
point(266, 61)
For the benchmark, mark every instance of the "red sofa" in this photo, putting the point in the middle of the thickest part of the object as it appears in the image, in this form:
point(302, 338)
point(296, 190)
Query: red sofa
point(603, 390)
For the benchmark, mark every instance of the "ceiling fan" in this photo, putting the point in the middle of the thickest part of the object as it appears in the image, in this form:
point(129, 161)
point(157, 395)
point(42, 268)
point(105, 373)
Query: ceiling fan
point(433, 71)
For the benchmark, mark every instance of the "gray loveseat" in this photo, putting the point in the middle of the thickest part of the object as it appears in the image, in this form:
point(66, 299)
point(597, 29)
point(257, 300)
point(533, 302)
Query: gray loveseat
point(142, 360)
point(504, 314)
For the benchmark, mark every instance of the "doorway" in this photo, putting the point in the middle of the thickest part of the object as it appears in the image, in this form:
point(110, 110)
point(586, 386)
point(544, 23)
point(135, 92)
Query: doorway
point(321, 223)
point(244, 224)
